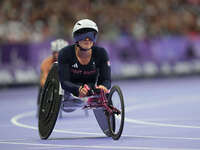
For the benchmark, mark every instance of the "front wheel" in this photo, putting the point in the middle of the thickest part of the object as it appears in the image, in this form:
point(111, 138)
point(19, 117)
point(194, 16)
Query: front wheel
point(49, 104)
point(116, 119)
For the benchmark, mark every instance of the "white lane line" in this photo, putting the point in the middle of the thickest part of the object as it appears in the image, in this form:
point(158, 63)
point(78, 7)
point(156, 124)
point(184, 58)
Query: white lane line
point(12, 140)
point(160, 124)
point(162, 137)
point(96, 147)
point(15, 121)
point(172, 100)
point(167, 101)
point(46, 147)
point(171, 119)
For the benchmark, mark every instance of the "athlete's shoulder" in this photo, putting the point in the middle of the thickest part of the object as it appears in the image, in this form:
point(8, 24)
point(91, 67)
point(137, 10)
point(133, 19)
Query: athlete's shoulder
point(100, 51)
point(66, 53)
point(98, 48)
point(47, 61)
point(67, 50)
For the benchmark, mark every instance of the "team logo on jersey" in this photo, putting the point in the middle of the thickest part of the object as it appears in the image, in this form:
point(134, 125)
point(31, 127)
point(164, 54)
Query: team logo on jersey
point(75, 65)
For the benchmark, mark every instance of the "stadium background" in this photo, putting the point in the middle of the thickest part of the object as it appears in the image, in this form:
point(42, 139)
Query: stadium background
point(144, 38)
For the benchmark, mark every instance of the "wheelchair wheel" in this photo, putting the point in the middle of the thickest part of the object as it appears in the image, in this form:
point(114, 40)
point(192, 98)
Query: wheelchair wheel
point(116, 120)
point(49, 104)
point(38, 100)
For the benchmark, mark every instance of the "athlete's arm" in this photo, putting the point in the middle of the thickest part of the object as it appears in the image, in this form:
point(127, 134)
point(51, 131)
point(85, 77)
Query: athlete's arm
point(104, 78)
point(43, 72)
point(43, 77)
point(64, 74)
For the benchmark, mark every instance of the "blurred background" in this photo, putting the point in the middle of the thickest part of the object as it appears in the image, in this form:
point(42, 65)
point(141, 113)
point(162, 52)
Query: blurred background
point(144, 38)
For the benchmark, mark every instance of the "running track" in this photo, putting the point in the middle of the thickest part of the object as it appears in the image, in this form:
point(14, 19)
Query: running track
point(161, 114)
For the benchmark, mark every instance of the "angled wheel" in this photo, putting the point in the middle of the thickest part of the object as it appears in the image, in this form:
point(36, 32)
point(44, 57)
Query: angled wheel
point(116, 120)
point(49, 104)
point(38, 100)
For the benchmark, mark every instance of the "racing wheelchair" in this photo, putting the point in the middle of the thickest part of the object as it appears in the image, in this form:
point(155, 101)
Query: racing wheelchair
point(62, 109)
point(108, 108)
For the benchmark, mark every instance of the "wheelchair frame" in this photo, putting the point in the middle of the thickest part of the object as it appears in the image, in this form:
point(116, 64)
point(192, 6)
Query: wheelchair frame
point(98, 101)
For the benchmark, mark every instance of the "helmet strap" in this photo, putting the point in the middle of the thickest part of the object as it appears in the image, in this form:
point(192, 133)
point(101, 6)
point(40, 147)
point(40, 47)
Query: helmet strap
point(82, 49)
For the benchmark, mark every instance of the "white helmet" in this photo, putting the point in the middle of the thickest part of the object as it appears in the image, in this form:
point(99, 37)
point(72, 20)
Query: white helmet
point(84, 23)
point(58, 44)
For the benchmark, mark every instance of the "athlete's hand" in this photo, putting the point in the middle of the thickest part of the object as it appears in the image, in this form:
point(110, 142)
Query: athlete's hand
point(102, 88)
point(83, 90)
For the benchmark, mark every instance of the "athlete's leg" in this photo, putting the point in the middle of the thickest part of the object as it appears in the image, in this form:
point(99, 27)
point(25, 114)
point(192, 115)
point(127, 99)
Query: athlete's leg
point(71, 102)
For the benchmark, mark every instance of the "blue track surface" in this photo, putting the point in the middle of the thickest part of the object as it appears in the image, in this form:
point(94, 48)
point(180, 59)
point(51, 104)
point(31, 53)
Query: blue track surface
point(161, 114)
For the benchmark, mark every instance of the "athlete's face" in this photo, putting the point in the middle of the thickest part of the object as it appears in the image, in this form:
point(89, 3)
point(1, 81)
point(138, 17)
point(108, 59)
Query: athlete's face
point(86, 44)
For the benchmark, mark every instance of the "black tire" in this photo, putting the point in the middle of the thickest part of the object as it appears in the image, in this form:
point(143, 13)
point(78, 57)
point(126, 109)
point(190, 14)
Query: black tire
point(116, 120)
point(39, 95)
point(49, 104)
point(40, 89)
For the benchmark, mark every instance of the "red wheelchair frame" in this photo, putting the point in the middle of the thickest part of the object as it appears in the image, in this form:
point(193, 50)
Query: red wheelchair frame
point(99, 99)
